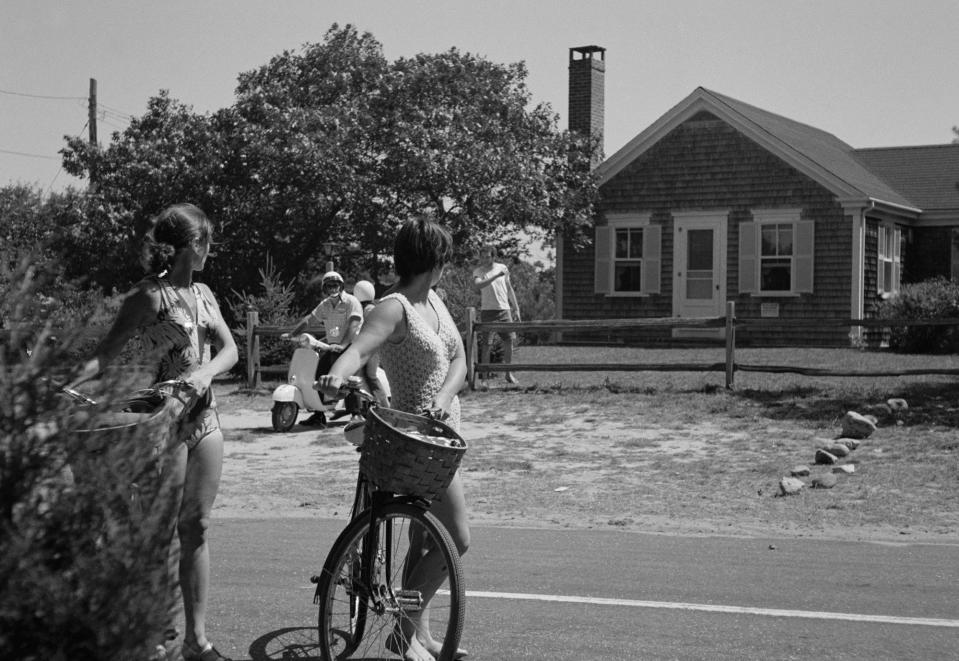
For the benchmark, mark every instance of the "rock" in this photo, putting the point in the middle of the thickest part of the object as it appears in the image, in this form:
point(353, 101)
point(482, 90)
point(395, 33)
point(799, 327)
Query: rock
point(851, 443)
point(848, 469)
point(799, 471)
point(871, 418)
point(824, 481)
point(857, 426)
point(825, 457)
point(879, 411)
point(790, 486)
point(897, 405)
point(839, 450)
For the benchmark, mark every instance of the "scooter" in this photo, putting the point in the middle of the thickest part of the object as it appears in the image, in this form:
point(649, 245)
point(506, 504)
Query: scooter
point(298, 391)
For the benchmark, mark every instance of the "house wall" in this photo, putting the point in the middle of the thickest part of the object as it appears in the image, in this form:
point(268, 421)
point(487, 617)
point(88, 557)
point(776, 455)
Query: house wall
point(704, 164)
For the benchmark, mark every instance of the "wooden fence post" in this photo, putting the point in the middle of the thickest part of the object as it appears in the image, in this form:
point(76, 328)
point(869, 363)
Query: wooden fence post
point(730, 343)
point(252, 349)
point(470, 347)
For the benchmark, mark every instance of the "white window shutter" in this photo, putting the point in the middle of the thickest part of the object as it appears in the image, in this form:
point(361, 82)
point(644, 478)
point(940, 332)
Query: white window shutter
point(652, 259)
point(880, 271)
point(748, 258)
point(603, 276)
point(896, 260)
point(805, 256)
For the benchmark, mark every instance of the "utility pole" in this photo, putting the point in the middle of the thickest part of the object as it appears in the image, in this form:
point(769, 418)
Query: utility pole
point(93, 112)
point(92, 123)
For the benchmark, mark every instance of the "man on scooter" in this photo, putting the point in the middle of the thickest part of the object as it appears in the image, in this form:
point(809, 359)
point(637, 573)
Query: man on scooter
point(341, 315)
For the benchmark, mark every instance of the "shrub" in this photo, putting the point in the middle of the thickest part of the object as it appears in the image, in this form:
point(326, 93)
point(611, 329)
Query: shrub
point(83, 575)
point(931, 299)
point(274, 307)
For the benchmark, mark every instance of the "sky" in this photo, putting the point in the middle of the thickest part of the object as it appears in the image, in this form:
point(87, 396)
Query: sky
point(874, 73)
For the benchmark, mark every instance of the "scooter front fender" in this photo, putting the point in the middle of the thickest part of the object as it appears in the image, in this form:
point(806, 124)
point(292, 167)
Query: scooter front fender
point(288, 393)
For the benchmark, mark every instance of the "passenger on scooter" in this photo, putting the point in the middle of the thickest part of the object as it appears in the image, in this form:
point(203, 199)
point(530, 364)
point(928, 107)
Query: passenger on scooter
point(341, 316)
point(365, 293)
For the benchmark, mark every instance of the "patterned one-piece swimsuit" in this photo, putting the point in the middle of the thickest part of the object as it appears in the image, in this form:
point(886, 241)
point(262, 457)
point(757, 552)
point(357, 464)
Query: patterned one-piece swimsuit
point(174, 339)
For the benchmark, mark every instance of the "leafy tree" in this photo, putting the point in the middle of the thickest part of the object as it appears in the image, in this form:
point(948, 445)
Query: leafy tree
point(334, 144)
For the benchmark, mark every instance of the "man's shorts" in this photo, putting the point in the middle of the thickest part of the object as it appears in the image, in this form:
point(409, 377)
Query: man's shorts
point(488, 316)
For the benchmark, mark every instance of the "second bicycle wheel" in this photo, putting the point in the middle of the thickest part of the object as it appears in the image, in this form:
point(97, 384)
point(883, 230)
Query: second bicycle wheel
point(410, 583)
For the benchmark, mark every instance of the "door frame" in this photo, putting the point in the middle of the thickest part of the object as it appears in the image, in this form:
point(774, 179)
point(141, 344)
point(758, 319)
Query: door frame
point(683, 221)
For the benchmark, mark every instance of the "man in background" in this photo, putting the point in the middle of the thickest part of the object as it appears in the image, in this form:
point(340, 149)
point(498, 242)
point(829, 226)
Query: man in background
point(497, 303)
point(341, 315)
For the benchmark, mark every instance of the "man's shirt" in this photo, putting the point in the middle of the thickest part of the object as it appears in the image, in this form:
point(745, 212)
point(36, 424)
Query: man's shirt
point(335, 312)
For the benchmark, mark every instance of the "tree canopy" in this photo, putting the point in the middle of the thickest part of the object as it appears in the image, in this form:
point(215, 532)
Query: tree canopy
point(333, 145)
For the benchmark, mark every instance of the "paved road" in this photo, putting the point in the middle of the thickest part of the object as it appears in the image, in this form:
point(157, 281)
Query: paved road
point(606, 595)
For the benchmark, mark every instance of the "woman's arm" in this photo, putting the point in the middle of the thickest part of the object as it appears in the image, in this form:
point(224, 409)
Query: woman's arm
point(226, 351)
point(455, 376)
point(139, 308)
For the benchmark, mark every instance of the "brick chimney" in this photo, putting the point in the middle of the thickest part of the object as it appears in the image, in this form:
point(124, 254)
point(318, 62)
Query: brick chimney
point(587, 78)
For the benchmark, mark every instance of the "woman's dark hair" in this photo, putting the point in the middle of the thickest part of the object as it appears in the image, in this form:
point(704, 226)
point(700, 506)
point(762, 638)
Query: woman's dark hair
point(420, 246)
point(173, 229)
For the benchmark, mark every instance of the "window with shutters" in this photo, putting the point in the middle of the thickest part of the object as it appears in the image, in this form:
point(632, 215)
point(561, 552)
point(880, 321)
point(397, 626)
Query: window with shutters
point(628, 259)
point(889, 266)
point(776, 257)
point(628, 256)
point(776, 254)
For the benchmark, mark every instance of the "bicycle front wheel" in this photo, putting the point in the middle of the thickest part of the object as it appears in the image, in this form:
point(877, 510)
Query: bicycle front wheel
point(381, 587)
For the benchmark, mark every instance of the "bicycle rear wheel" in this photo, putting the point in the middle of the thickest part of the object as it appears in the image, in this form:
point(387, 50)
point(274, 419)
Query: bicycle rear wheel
point(369, 603)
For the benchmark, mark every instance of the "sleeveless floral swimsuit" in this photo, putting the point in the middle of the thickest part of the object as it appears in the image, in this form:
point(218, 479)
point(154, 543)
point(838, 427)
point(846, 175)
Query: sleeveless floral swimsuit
point(417, 366)
point(174, 339)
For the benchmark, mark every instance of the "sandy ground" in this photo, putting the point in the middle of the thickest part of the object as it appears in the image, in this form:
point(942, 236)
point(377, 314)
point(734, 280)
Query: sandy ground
point(546, 461)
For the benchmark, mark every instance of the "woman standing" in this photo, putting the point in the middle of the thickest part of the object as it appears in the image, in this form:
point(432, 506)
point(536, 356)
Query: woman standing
point(422, 354)
point(177, 321)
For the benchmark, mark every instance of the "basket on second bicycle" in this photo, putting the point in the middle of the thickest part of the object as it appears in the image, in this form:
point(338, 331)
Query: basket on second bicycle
point(374, 591)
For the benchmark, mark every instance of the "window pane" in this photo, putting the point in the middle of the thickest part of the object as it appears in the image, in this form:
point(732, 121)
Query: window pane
point(700, 250)
point(636, 243)
point(622, 243)
point(785, 239)
point(888, 284)
point(769, 240)
point(627, 276)
point(776, 275)
point(699, 285)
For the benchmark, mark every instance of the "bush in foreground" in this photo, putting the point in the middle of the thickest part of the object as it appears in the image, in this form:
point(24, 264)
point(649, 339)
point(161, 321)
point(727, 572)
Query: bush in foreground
point(85, 571)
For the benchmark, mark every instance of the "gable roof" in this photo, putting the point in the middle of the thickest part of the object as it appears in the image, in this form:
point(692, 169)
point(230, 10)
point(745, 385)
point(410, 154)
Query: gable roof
point(816, 153)
point(928, 175)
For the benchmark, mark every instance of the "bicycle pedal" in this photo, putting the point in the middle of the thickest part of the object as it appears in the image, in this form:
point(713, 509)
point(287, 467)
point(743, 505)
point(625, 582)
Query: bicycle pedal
point(409, 598)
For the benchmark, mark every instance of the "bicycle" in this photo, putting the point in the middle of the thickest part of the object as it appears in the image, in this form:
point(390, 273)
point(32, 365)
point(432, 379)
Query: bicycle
point(154, 411)
point(369, 593)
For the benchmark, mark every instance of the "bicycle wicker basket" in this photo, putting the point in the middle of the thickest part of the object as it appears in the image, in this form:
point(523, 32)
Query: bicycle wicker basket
point(397, 455)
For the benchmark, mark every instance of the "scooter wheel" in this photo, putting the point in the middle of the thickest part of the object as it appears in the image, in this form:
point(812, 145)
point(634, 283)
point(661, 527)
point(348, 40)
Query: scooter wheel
point(284, 415)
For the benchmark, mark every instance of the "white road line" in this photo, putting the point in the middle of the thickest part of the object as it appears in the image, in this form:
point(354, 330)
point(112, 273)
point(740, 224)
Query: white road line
point(710, 608)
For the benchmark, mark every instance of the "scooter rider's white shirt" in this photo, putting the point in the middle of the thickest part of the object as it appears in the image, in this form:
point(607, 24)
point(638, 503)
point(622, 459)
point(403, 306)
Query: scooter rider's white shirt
point(335, 312)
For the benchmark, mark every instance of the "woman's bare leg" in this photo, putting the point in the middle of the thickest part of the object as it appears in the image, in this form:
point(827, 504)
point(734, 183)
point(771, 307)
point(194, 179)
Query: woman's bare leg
point(430, 572)
point(199, 491)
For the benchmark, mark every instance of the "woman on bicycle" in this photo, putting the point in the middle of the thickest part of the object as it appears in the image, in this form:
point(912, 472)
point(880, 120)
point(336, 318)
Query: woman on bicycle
point(422, 354)
point(177, 320)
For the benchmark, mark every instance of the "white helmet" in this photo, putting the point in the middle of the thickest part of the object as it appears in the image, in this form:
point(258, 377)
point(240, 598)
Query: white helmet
point(332, 276)
point(364, 291)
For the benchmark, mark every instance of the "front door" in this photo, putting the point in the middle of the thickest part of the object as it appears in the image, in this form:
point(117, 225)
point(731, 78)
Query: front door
point(699, 265)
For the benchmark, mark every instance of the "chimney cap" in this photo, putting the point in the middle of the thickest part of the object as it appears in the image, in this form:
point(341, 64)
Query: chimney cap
point(586, 52)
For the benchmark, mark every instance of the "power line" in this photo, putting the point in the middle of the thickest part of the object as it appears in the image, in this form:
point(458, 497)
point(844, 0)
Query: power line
point(22, 153)
point(42, 96)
